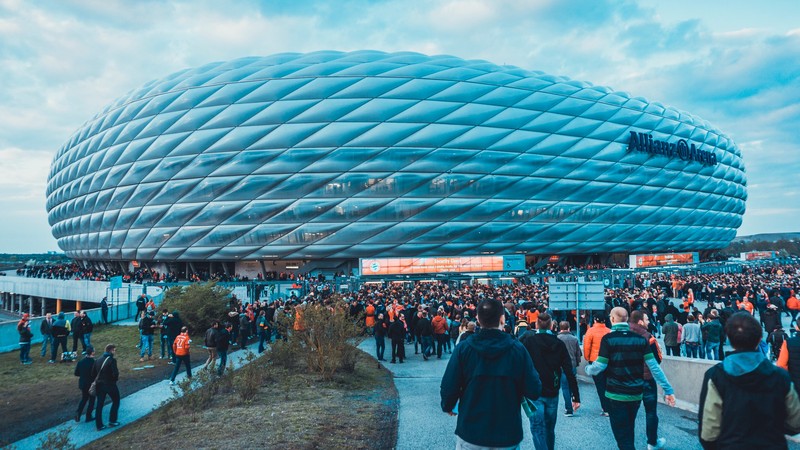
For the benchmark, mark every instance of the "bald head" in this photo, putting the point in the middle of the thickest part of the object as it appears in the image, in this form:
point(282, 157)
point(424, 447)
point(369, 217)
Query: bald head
point(619, 315)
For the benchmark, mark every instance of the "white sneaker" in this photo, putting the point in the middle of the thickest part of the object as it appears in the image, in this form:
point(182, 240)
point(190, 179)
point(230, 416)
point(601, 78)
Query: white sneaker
point(660, 443)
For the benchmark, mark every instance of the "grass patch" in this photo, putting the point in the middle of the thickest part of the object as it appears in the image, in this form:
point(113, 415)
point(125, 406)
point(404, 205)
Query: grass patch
point(291, 408)
point(49, 392)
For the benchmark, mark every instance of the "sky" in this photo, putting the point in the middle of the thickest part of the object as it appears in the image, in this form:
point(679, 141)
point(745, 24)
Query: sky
point(734, 63)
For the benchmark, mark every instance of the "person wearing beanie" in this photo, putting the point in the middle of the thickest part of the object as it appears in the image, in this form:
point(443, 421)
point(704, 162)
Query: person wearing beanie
point(25, 335)
point(60, 333)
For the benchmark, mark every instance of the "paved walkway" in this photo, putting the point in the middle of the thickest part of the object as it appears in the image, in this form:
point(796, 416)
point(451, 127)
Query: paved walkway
point(132, 408)
point(422, 424)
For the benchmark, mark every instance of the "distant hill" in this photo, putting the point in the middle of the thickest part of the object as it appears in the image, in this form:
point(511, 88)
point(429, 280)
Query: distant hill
point(769, 237)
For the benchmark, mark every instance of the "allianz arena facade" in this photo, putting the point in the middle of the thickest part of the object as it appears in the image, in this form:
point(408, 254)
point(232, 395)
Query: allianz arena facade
point(332, 156)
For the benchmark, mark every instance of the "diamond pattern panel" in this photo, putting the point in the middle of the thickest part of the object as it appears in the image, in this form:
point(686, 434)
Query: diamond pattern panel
point(363, 154)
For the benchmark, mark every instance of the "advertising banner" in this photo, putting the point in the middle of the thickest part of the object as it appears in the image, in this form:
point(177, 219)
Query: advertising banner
point(443, 264)
point(753, 256)
point(663, 259)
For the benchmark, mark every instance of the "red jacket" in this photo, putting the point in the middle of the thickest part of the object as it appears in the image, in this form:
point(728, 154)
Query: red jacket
point(439, 325)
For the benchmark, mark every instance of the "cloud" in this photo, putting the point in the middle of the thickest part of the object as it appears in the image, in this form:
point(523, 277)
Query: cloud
point(62, 62)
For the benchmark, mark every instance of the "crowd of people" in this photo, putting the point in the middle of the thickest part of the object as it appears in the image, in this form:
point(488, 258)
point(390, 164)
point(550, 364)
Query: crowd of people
point(651, 315)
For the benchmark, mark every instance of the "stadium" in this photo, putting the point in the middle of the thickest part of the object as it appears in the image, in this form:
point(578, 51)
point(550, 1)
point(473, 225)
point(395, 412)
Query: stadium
point(313, 161)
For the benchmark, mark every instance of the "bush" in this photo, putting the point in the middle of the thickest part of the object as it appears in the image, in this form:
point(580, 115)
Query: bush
point(55, 440)
point(326, 339)
point(249, 379)
point(199, 304)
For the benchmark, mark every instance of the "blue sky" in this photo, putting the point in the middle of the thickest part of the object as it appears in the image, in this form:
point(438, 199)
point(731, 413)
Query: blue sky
point(736, 64)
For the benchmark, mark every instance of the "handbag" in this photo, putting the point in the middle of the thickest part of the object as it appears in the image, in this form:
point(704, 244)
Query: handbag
point(93, 386)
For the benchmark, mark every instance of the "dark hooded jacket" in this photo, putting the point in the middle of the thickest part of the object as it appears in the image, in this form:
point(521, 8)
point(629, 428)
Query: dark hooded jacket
point(747, 402)
point(487, 375)
point(550, 358)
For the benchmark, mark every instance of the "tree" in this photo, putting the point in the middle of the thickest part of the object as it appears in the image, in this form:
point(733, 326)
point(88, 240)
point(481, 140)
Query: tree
point(199, 304)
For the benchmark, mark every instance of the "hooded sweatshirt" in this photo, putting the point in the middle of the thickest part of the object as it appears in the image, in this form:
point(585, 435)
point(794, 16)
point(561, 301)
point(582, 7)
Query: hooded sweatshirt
point(487, 375)
point(550, 358)
point(747, 402)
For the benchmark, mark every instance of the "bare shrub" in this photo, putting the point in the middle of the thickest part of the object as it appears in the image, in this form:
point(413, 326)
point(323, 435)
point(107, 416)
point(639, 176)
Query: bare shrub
point(327, 336)
point(56, 440)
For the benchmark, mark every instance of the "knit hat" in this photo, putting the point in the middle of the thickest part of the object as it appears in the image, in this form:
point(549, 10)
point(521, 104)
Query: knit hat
point(25, 316)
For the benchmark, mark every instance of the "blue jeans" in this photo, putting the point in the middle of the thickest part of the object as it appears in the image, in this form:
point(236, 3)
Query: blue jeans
point(623, 420)
point(600, 385)
point(87, 340)
point(380, 346)
point(24, 352)
point(691, 349)
point(427, 345)
point(46, 340)
point(712, 350)
point(543, 423)
point(147, 345)
point(185, 359)
point(223, 360)
point(565, 391)
point(650, 401)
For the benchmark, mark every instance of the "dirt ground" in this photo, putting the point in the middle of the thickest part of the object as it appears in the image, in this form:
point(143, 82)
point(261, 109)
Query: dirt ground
point(41, 395)
point(292, 409)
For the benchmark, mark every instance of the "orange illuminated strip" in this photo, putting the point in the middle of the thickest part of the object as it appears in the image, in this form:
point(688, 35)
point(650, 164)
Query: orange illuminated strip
point(665, 259)
point(411, 266)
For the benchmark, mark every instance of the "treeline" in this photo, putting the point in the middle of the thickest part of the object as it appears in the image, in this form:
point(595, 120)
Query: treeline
point(785, 247)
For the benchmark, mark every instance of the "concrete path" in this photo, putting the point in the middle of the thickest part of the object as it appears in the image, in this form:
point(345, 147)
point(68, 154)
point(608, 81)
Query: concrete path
point(423, 425)
point(132, 408)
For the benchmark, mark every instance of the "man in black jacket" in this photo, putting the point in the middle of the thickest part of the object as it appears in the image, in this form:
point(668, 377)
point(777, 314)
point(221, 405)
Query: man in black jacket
point(397, 334)
point(747, 402)
point(551, 359)
point(83, 370)
point(107, 374)
point(424, 331)
point(77, 332)
point(223, 341)
point(488, 375)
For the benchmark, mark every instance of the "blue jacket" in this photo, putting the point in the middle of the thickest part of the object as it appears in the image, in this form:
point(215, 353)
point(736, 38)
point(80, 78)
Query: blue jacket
point(487, 376)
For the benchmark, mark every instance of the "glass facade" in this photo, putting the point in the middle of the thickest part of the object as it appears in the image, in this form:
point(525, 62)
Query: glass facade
point(332, 155)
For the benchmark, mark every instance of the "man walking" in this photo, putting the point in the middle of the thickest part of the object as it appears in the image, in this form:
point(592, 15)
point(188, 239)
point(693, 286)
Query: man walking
point(379, 333)
point(639, 323)
point(211, 341)
point(747, 402)
point(104, 309)
point(223, 341)
point(106, 372)
point(424, 332)
point(591, 348)
point(551, 360)
point(397, 334)
point(181, 350)
point(439, 325)
point(575, 354)
point(488, 376)
point(623, 355)
point(83, 370)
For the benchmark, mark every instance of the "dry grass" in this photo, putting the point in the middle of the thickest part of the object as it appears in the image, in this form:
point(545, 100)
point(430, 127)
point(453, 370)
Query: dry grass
point(293, 409)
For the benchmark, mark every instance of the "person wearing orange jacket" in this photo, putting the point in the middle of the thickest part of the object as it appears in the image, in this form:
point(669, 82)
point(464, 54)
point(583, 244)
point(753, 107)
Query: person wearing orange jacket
point(369, 321)
point(793, 305)
point(591, 350)
point(181, 350)
point(439, 324)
